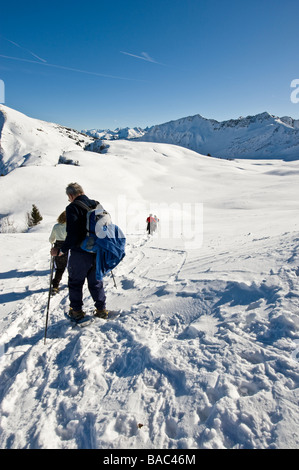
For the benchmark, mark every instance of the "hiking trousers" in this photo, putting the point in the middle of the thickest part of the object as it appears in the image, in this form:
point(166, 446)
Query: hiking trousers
point(81, 266)
point(60, 265)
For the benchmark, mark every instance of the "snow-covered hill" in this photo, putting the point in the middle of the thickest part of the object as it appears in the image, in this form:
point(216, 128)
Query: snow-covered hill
point(260, 136)
point(205, 351)
point(27, 141)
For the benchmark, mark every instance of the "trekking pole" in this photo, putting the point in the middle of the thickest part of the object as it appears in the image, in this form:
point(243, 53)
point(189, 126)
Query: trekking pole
point(48, 306)
point(113, 279)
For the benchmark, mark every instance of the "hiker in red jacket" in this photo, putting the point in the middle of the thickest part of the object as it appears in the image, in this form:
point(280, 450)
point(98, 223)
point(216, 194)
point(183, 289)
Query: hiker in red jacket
point(151, 224)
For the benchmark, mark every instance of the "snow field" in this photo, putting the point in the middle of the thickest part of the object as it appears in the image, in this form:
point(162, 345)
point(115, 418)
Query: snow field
point(197, 363)
point(204, 351)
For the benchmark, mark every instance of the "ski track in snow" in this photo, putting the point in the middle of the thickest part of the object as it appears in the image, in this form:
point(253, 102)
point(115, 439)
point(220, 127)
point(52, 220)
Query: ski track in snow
point(205, 361)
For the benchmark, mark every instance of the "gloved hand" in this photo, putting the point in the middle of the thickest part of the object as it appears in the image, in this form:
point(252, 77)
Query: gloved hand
point(54, 251)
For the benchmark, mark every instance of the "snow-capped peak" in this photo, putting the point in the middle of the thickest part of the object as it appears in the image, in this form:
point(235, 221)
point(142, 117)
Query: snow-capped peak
point(259, 136)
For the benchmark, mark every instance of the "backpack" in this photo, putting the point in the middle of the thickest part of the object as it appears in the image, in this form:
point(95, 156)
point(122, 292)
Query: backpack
point(103, 238)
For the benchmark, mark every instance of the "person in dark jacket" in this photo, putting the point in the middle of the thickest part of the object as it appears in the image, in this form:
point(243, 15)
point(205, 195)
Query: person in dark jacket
point(81, 265)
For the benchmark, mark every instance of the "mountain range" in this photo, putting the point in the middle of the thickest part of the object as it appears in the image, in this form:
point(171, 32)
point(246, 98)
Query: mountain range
point(27, 141)
point(260, 136)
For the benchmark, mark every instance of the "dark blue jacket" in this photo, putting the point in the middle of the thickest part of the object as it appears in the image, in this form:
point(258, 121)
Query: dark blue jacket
point(76, 223)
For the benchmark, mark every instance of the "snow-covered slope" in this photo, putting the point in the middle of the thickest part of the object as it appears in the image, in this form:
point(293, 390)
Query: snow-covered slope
point(205, 351)
point(27, 141)
point(260, 136)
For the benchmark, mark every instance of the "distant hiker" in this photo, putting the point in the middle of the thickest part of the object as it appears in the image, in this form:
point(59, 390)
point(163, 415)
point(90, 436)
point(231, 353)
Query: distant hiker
point(81, 264)
point(57, 237)
point(151, 224)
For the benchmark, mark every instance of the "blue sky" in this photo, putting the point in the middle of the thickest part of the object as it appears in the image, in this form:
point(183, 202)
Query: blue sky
point(108, 64)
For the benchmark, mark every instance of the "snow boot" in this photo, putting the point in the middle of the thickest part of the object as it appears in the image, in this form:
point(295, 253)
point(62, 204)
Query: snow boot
point(101, 313)
point(76, 315)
